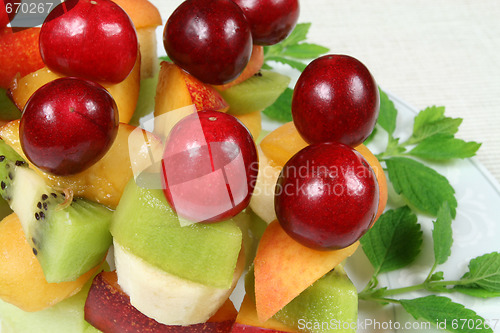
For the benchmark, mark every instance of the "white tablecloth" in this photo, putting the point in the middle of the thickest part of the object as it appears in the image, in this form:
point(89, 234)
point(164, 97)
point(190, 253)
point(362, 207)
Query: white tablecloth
point(426, 52)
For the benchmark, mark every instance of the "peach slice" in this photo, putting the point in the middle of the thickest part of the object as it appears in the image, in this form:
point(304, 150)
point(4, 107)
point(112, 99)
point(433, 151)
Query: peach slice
point(282, 143)
point(253, 66)
point(248, 322)
point(104, 181)
point(146, 19)
point(108, 308)
point(299, 267)
point(125, 93)
point(177, 89)
point(253, 122)
point(22, 282)
point(19, 53)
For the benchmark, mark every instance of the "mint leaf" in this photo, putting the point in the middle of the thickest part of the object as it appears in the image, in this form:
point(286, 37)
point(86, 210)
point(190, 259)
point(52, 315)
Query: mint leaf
point(443, 313)
point(165, 58)
point(442, 235)
point(476, 291)
point(484, 273)
point(432, 121)
point(304, 51)
point(298, 35)
point(422, 186)
point(394, 240)
point(281, 110)
point(444, 147)
point(388, 113)
point(292, 63)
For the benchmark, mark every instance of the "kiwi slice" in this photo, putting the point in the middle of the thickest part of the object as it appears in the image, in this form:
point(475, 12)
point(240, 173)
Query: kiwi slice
point(145, 225)
point(68, 236)
point(328, 305)
point(255, 93)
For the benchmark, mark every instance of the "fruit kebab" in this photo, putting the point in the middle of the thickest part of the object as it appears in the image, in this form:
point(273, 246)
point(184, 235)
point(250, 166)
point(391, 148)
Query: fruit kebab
point(191, 206)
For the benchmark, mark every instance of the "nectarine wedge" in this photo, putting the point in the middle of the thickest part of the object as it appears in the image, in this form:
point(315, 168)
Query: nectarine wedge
point(284, 268)
point(19, 54)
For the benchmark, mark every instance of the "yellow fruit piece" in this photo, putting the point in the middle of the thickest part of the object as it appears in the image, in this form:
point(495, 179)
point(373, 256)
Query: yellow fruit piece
point(252, 121)
point(379, 174)
point(282, 143)
point(22, 282)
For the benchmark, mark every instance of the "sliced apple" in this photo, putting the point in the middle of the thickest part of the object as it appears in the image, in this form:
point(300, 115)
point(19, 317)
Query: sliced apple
point(19, 54)
point(248, 322)
point(146, 19)
point(124, 93)
point(177, 89)
point(165, 297)
point(108, 309)
point(104, 181)
point(299, 267)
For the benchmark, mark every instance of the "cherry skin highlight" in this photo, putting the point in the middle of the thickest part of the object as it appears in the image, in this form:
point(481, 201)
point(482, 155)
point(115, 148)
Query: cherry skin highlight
point(326, 196)
point(335, 99)
point(67, 125)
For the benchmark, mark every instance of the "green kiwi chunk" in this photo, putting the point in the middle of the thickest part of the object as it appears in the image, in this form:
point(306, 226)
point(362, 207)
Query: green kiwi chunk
point(68, 236)
point(146, 225)
point(255, 93)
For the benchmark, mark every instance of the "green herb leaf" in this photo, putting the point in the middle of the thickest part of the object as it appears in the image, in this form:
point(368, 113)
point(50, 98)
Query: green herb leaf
point(442, 235)
point(484, 273)
point(165, 58)
point(432, 121)
point(305, 51)
point(299, 34)
point(388, 113)
point(444, 147)
point(281, 110)
point(394, 240)
point(443, 313)
point(476, 291)
point(292, 63)
point(292, 51)
point(422, 186)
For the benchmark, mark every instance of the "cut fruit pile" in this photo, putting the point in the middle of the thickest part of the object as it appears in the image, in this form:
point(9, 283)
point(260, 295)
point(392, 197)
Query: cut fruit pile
point(108, 227)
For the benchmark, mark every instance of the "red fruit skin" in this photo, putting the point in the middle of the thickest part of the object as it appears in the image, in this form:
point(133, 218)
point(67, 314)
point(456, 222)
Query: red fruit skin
point(8, 11)
point(196, 38)
point(326, 196)
point(271, 21)
point(335, 99)
point(108, 309)
point(18, 54)
point(210, 167)
point(93, 39)
point(67, 125)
